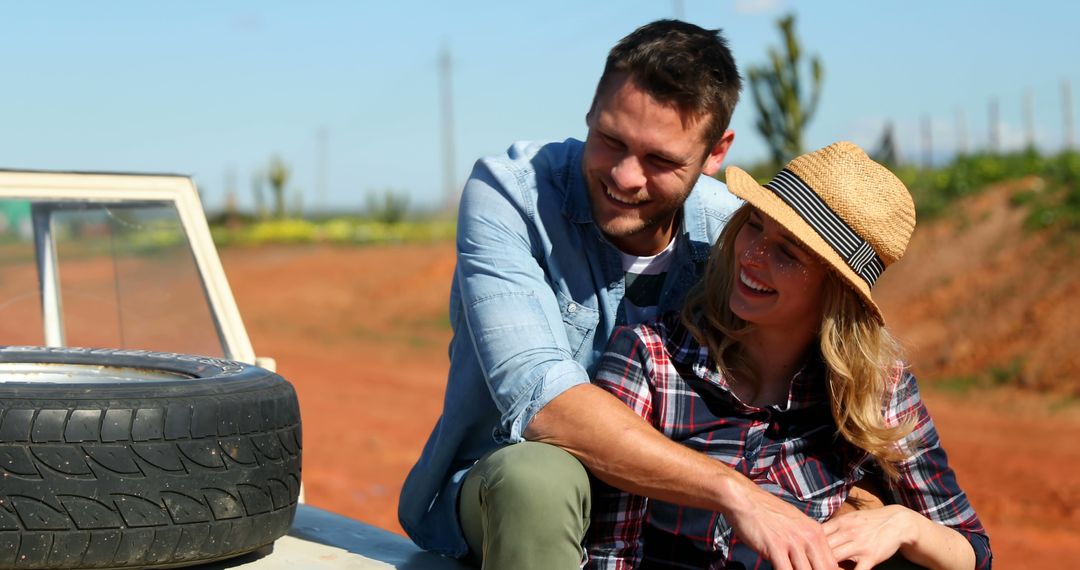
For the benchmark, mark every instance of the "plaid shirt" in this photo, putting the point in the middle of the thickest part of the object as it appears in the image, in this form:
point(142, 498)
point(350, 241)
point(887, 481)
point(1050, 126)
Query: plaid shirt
point(791, 450)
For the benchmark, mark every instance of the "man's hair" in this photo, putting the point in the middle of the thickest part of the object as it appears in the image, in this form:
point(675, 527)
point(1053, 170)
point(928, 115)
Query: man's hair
point(682, 64)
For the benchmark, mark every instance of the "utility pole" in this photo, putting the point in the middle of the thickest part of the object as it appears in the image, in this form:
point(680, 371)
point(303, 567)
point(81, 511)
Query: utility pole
point(450, 189)
point(680, 14)
point(995, 134)
point(1067, 116)
point(320, 169)
point(1029, 119)
point(961, 132)
point(927, 143)
point(230, 191)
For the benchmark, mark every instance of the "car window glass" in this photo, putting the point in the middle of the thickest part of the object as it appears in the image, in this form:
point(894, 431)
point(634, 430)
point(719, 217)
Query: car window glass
point(127, 278)
point(20, 299)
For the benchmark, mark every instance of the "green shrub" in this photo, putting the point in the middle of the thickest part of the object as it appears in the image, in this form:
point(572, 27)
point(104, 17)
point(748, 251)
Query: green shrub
point(935, 190)
point(995, 376)
point(1058, 206)
point(391, 207)
point(345, 231)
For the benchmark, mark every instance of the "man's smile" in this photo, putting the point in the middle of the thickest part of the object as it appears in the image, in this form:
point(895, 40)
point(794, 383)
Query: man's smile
point(623, 200)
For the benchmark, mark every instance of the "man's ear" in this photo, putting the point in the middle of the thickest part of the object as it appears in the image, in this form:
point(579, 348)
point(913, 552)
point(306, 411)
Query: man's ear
point(592, 110)
point(719, 151)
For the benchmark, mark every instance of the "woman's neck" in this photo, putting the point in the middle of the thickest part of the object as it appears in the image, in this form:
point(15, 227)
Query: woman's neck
point(775, 355)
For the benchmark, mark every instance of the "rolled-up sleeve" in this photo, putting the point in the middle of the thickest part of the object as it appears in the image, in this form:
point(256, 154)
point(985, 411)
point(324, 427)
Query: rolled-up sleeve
point(927, 483)
point(510, 308)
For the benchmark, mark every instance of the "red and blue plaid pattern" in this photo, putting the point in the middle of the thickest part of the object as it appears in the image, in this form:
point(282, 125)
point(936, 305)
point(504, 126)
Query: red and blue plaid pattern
point(792, 450)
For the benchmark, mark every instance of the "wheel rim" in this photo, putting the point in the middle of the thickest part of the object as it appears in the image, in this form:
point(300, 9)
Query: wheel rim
point(62, 373)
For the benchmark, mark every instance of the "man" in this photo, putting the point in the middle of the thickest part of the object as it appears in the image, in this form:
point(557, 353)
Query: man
point(558, 244)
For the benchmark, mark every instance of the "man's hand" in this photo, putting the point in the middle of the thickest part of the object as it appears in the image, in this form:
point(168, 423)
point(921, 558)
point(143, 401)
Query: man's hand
point(624, 451)
point(776, 530)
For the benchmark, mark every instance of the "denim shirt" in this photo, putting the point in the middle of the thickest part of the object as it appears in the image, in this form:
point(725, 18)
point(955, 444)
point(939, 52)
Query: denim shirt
point(537, 292)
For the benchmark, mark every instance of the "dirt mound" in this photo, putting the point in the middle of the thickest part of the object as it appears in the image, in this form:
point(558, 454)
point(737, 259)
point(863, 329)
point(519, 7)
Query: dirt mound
point(983, 307)
point(979, 301)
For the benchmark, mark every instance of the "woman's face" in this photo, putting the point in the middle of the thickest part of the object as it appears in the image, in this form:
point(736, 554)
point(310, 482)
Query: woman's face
point(777, 281)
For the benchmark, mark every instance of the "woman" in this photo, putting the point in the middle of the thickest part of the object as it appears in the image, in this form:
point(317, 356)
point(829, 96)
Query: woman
point(780, 365)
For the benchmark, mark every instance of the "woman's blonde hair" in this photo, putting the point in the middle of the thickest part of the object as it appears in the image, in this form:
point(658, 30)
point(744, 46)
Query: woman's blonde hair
point(861, 357)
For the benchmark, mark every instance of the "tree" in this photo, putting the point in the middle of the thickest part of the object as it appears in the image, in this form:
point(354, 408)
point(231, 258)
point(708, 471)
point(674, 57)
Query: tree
point(391, 208)
point(777, 88)
point(887, 152)
point(277, 174)
point(257, 179)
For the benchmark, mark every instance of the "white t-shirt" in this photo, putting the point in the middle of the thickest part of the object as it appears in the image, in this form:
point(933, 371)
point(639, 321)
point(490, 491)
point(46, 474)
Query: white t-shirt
point(644, 281)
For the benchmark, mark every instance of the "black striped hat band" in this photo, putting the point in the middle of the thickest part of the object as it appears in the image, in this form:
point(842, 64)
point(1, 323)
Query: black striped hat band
point(854, 250)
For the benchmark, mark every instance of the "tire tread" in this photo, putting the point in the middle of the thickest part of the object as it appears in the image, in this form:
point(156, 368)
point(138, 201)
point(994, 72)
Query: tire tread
point(143, 481)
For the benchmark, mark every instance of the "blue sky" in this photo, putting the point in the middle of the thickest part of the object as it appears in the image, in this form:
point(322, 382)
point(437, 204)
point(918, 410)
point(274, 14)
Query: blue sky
point(214, 89)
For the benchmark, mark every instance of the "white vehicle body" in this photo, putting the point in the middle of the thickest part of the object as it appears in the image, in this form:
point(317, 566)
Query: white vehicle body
point(170, 206)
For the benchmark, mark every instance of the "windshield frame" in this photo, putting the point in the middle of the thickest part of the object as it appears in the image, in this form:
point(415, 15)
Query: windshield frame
point(131, 188)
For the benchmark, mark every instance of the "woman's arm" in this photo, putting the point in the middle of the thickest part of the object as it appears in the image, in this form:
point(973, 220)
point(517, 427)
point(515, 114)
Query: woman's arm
point(931, 521)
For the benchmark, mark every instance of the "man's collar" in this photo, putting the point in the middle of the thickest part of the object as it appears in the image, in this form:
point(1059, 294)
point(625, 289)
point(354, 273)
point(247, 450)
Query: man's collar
point(576, 205)
point(695, 225)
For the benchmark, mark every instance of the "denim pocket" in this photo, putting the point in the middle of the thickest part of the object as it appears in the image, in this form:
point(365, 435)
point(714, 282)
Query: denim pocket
point(580, 322)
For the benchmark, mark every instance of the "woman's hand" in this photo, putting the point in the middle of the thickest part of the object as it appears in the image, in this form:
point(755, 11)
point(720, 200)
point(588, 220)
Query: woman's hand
point(870, 537)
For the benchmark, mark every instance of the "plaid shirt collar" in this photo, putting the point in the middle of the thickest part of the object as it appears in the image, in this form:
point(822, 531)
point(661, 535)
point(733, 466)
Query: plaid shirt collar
point(807, 389)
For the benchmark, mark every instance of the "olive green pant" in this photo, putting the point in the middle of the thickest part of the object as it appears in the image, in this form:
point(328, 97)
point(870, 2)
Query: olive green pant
point(526, 506)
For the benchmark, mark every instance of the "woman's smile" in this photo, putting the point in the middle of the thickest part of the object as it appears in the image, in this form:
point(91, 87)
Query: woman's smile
point(778, 282)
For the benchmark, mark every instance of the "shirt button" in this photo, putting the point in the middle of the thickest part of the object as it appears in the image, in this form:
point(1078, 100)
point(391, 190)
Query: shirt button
point(571, 308)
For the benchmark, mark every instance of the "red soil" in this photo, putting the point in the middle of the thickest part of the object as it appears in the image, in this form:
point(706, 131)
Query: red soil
point(362, 333)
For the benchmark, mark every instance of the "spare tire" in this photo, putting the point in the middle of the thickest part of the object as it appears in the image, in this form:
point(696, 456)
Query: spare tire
point(125, 458)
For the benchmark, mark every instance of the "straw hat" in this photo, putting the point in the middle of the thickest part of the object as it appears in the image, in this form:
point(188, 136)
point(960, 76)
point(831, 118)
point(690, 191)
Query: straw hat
point(849, 210)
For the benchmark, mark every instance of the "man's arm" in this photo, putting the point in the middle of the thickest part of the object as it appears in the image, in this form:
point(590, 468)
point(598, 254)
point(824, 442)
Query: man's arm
point(586, 421)
point(511, 311)
point(544, 395)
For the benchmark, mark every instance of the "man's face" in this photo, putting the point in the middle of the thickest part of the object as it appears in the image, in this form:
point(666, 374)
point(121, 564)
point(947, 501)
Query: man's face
point(642, 158)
